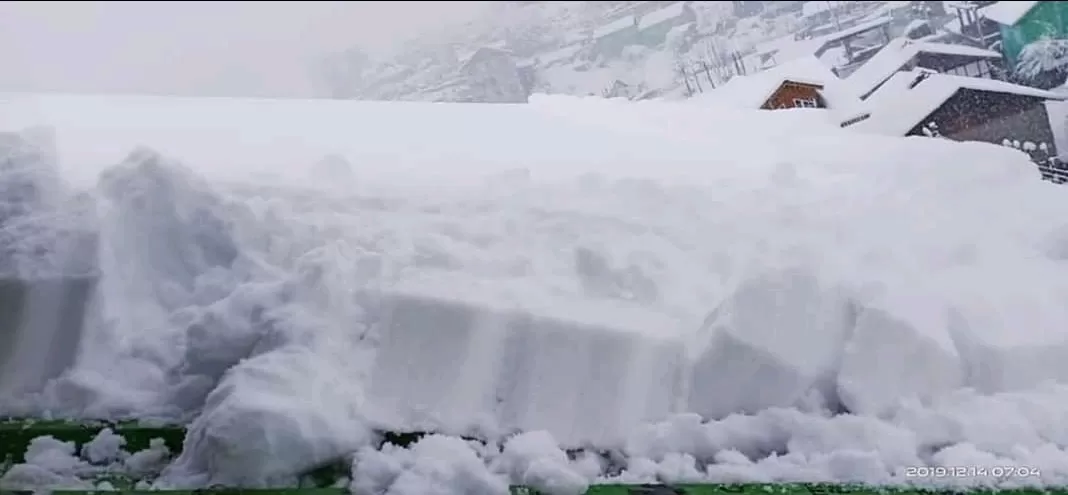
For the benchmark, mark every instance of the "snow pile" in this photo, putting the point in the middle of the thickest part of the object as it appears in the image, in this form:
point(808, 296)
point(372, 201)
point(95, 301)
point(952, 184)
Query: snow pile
point(576, 274)
point(446, 465)
point(56, 465)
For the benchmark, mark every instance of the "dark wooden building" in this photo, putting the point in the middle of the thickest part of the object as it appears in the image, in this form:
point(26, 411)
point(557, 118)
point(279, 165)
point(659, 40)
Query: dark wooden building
point(964, 109)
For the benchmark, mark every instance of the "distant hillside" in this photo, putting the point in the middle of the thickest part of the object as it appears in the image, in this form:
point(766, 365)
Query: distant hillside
point(615, 49)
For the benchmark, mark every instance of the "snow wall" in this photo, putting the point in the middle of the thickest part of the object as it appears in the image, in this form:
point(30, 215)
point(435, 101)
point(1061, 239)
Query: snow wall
point(581, 267)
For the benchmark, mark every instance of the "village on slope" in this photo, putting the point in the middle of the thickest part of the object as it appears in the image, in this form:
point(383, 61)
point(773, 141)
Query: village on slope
point(966, 70)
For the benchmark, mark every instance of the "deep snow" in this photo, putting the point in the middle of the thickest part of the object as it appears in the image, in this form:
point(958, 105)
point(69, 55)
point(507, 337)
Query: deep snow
point(290, 276)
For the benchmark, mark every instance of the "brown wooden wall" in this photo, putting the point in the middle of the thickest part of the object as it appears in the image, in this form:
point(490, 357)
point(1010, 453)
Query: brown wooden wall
point(784, 96)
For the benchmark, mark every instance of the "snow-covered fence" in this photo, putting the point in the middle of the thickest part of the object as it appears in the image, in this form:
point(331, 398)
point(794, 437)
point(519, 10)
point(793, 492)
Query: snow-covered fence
point(1054, 170)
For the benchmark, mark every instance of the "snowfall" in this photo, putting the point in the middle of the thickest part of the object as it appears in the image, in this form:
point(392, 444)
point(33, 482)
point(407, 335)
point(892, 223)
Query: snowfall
point(596, 290)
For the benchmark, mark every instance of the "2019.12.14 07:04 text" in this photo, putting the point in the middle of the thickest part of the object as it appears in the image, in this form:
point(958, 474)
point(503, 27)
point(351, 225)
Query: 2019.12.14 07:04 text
point(971, 472)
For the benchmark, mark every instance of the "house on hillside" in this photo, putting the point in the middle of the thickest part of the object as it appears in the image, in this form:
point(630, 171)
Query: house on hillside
point(802, 83)
point(904, 54)
point(654, 26)
point(816, 13)
point(922, 103)
point(743, 9)
point(970, 25)
point(610, 39)
point(853, 43)
point(841, 50)
point(490, 75)
point(561, 55)
point(1021, 23)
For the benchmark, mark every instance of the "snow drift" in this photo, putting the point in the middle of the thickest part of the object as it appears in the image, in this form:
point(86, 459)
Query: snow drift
point(606, 274)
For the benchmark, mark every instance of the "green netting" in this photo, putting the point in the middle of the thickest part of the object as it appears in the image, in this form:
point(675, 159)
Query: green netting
point(685, 489)
point(16, 434)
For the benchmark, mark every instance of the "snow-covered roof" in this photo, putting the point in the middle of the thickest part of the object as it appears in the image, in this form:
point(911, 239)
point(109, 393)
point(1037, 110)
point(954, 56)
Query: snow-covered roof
point(554, 56)
point(916, 25)
point(896, 108)
point(681, 29)
point(614, 26)
point(467, 58)
point(753, 91)
point(787, 48)
point(809, 9)
point(855, 30)
point(661, 15)
point(1007, 13)
point(899, 52)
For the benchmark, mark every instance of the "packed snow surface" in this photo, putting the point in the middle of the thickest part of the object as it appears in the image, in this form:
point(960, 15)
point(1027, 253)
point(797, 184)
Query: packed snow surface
point(685, 291)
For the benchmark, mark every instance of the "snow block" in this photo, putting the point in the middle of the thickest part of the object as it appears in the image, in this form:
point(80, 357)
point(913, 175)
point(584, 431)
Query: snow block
point(437, 365)
point(41, 323)
point(901, 349)
point(1000, 353)
point(586, 384)
point(45, 283)
point(461, 368)
point(774, 339)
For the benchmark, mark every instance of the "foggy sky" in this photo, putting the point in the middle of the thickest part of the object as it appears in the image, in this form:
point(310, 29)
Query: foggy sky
point(210, 48)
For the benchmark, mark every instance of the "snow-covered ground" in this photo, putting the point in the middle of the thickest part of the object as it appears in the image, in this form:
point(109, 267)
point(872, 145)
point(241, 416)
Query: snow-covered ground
point(700, 292)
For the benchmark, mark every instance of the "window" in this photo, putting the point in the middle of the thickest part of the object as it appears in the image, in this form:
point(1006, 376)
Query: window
point(979, 68)
point(854, 120)
point(806, 103)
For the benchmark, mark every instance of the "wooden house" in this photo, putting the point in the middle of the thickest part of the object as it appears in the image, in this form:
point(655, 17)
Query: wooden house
point(802, 83)
point(923, 103)
point(904, 54)
point(1022, 23)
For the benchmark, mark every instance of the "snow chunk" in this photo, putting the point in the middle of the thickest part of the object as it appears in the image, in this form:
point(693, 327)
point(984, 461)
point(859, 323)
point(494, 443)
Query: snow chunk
point(1011, 341)
point(271, 418)
point(50, 464)
point(900, 349)
point(105, 447)
point(533, 459)
point(149, 461)
point(775, 338)
point(435, 465)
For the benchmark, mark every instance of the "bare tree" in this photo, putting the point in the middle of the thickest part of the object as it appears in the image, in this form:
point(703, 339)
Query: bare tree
point(680, 69)
point(696, 80)
point(714, 61)
point(707, 70)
